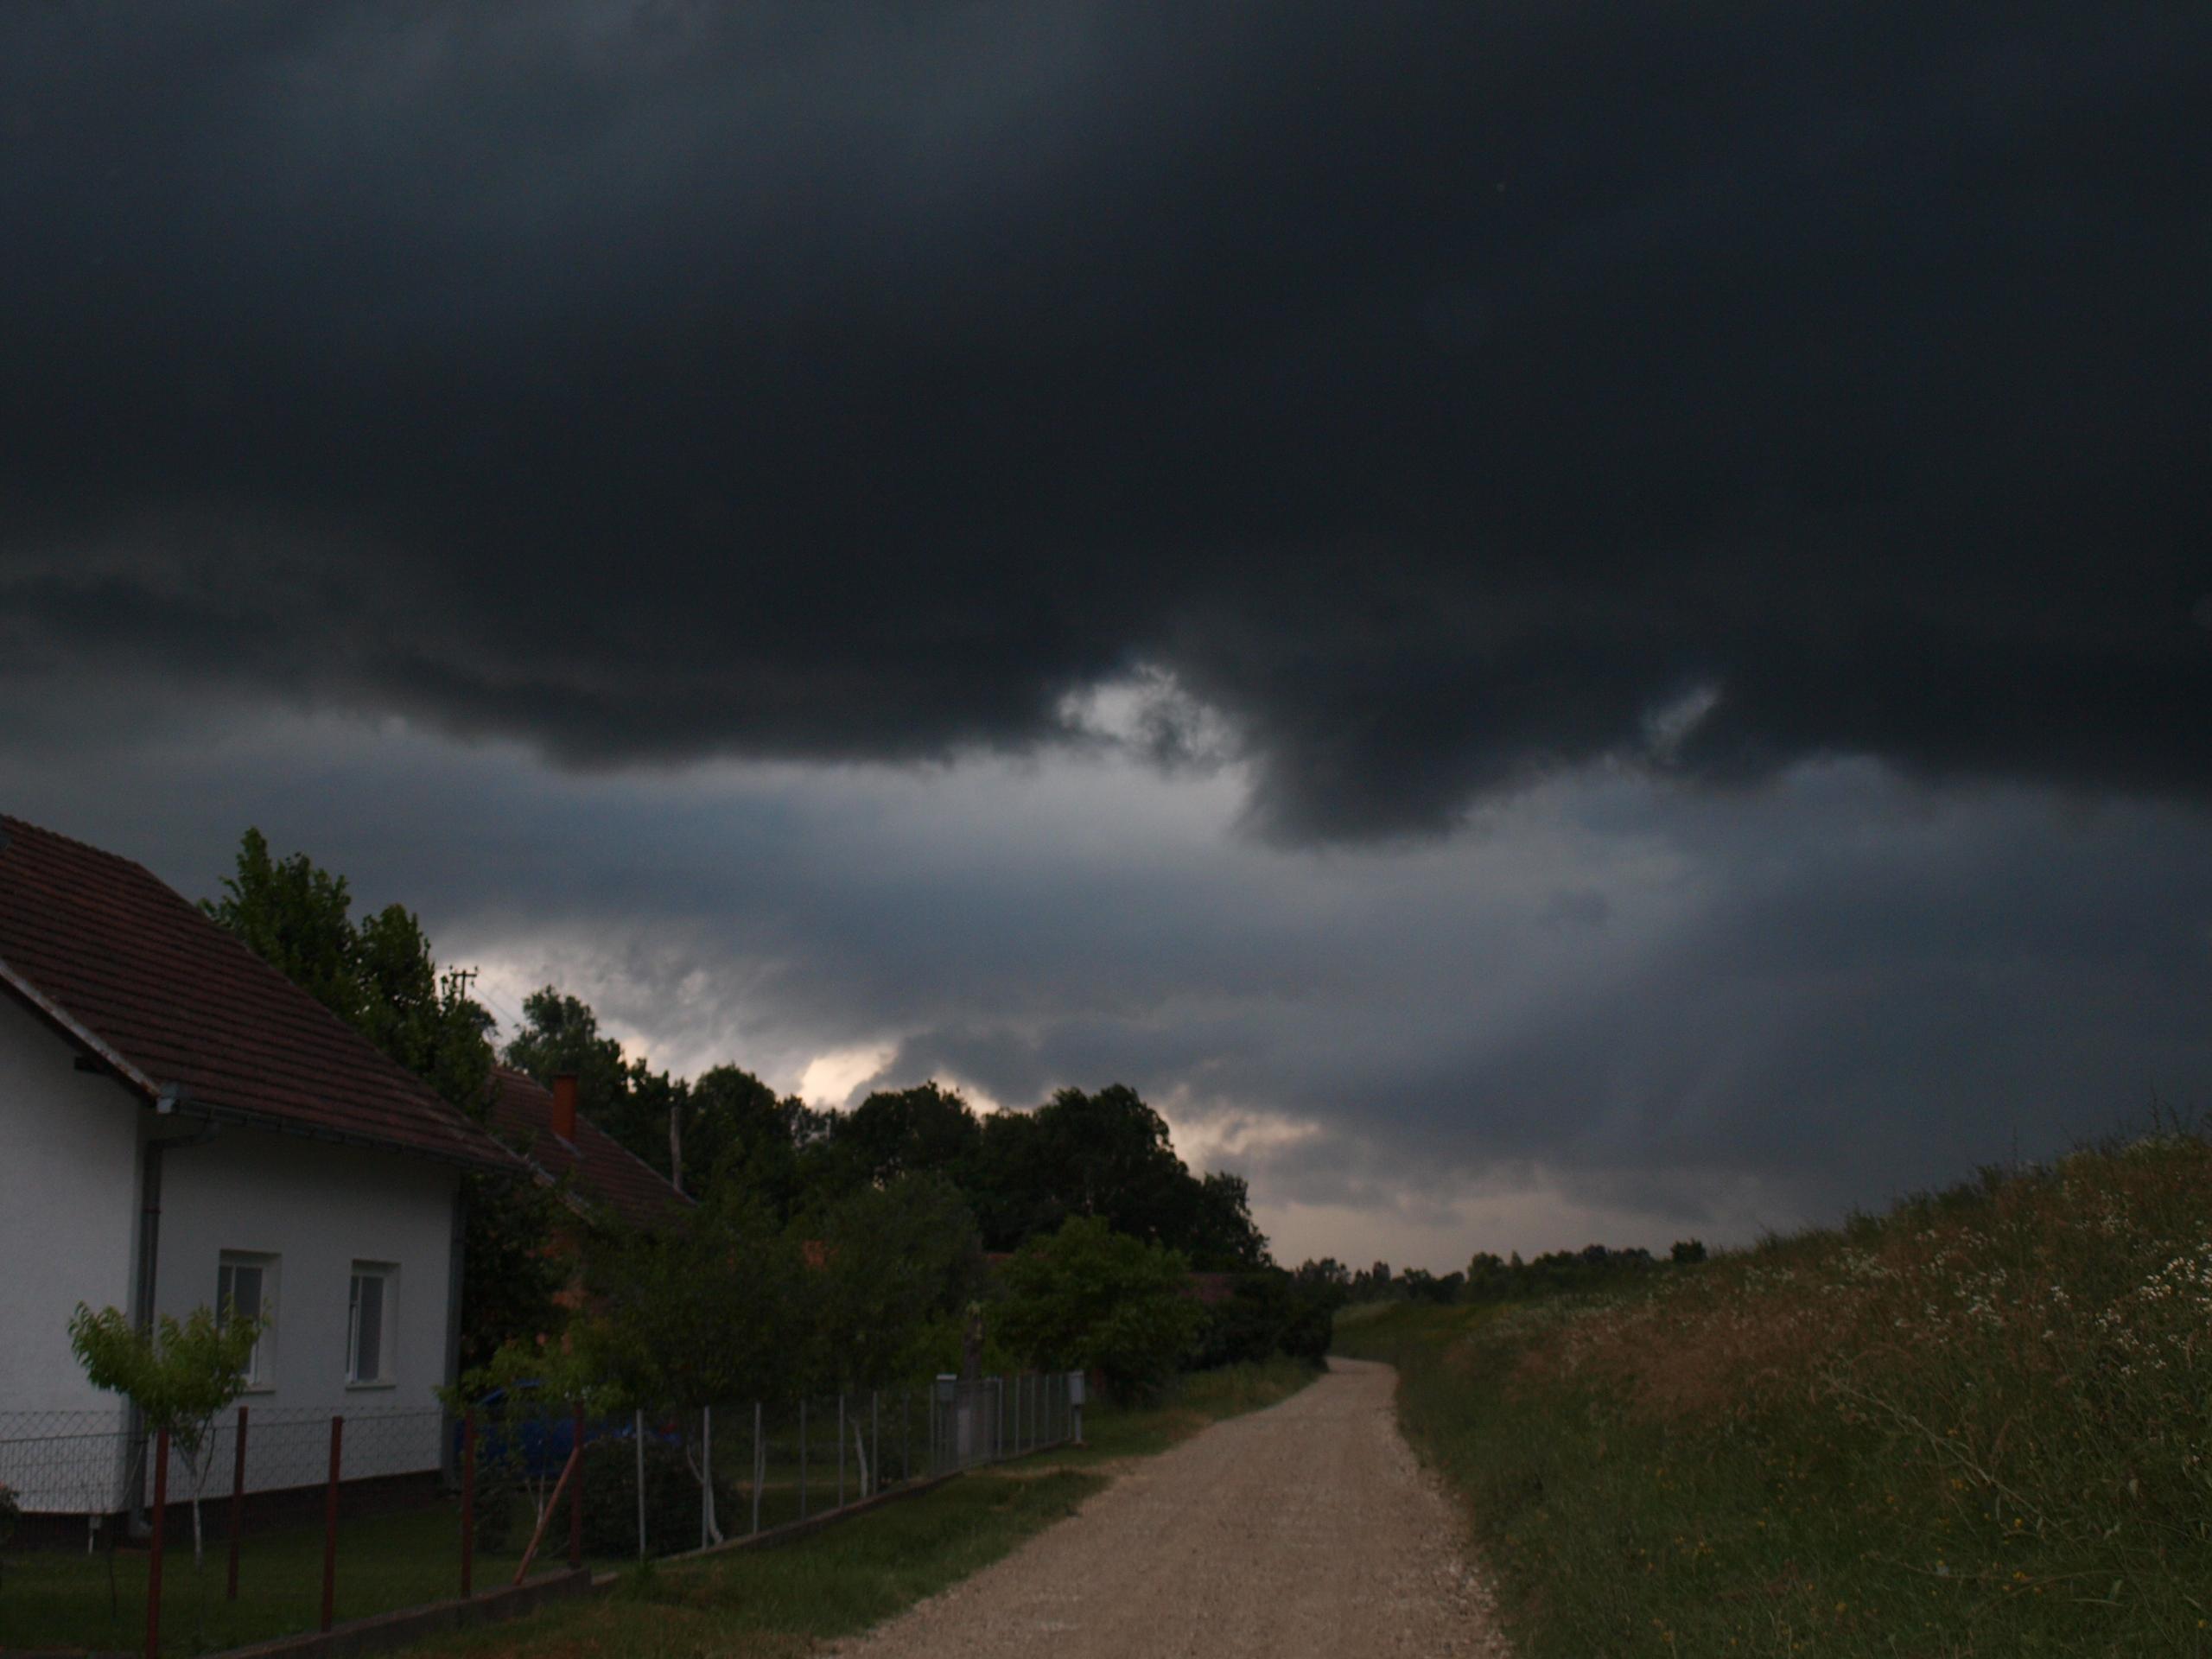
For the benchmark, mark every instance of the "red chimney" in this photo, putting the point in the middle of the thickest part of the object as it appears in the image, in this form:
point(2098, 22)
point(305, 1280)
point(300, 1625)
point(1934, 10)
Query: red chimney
point(564, 1107)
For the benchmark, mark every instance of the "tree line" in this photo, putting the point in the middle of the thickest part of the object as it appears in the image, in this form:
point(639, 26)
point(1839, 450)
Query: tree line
point(828, 1249)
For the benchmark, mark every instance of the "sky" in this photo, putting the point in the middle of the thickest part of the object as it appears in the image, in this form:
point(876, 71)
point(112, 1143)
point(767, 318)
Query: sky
point(1545, 623)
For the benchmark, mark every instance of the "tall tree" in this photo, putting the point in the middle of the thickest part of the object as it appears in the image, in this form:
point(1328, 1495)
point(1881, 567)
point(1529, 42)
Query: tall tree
point(381, 978)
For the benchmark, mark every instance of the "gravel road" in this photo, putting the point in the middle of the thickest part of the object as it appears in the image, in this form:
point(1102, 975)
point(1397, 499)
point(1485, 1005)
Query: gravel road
point(1300, 1531)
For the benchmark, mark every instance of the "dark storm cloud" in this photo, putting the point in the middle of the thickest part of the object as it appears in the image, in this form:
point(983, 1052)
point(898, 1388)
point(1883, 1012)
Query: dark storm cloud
point(1438, 395)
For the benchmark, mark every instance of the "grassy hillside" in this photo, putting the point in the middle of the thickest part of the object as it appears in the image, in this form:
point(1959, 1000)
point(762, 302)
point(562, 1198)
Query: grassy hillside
point(1977, 1425)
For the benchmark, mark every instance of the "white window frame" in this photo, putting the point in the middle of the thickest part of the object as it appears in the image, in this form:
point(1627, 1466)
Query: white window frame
point(260, 1364)
point(387, 1274)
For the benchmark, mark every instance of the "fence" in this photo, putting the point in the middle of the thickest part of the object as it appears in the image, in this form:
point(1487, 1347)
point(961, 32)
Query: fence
point(287, 1500)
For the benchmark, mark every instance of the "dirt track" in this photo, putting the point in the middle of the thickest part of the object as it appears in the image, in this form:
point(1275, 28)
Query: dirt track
point(1303, 1530)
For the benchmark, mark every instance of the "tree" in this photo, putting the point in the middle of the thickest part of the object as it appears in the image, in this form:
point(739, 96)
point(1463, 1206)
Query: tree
point(740, 1134)
point(178, 1375)
point(704, 1310)
point(927, 1129)
point(382, 979)
point(1091, 1298)
point(292, 914)
point(895, 1258)
point(560, 1034)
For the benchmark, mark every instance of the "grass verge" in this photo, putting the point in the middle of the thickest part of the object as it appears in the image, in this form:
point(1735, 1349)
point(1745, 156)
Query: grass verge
point(1977, 1426)
point(763, 1604)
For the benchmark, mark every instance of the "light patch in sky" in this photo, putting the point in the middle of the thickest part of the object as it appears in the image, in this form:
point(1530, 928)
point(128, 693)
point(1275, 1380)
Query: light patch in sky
point(829, 1079)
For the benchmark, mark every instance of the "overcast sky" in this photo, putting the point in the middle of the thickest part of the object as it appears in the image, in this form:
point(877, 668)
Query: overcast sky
point(1544, 621)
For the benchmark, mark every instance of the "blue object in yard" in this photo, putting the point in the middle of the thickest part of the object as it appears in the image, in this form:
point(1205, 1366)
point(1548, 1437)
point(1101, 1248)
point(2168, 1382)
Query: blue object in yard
point(543, 1440)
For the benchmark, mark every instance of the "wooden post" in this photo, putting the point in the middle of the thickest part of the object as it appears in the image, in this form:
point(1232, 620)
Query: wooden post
point(154, 1561)
point(467, 1504)
point(330, 1524)
point(576, 1495)
point(237, 1501)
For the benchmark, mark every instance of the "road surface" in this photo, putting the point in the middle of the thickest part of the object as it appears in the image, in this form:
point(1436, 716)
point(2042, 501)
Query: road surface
point(1303, 1530)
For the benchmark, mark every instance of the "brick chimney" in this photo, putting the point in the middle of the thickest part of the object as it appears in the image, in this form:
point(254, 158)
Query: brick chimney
point(564, 1107)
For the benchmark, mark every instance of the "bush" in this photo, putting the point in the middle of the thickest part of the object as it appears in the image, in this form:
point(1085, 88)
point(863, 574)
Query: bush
point(1268, 1313)
point(671, 1499)
point(1090, 1297)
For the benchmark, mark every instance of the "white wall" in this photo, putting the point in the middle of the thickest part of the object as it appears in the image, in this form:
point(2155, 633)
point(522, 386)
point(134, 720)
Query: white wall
point(68, 1213)
point(68, 1220)
point(319, 1208)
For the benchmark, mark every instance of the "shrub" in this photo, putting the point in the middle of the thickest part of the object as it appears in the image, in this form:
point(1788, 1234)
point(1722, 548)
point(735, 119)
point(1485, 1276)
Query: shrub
point(1268, 1314)
point(1091, 1298)
point(672, 1497)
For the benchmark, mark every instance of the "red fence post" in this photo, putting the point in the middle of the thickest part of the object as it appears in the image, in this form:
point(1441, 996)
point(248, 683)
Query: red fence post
point(154, 1560)
point(330, 1525)
point(468, 1504)
point(576, 1497)
point(237, 1500)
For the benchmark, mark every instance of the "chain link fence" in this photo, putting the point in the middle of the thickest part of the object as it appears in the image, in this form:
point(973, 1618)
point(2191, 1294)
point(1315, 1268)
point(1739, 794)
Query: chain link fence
point(298, 1518)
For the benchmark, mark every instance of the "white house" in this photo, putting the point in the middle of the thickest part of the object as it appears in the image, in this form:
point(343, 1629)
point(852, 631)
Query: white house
point(179, 1126)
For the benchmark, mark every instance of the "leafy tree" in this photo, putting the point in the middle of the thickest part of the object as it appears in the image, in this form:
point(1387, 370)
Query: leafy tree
point(895, 1258)
point(893, 1133)
point(704, 1310)
point(292, 915)
point(1089, 1296)
point(511, 1279)
point(1220, 1234)
point(180, 1375)
point(740, 1134)
point(379, 978)
point(423, 1018)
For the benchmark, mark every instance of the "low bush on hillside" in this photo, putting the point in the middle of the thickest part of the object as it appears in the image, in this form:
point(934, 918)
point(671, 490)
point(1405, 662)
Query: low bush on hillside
point(1977, 1425)
point(1267, 1314)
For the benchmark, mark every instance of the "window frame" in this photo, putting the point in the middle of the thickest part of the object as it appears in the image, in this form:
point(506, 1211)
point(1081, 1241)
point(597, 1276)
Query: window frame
point(260, 1364)
point(387, 1276)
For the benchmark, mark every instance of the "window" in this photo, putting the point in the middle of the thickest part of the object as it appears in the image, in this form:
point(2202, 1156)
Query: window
point(247, 1284)
point(369, 1322)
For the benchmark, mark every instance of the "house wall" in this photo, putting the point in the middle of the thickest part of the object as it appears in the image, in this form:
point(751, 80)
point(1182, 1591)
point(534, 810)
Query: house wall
point(68, 1232)
point(318, 1208)
point(68, 1215)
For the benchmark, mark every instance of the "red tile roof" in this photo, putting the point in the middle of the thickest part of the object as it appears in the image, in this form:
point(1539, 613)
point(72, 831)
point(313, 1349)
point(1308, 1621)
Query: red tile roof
point(101, 950)
point(602, 1169)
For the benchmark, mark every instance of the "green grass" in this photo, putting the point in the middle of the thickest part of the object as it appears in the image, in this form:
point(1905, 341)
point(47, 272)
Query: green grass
point(1978, 1425)
point(769, 1602)
point(52, 1598)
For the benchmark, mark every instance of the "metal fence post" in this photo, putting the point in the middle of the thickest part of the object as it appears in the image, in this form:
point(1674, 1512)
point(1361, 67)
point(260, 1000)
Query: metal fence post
point(154, 1560)
point(759, 1468)
point(638, 1428)
point(802, 1457)
point(706, 1475)
point(576, 1495)
point(237, 1501)
point(875, 1442)
point(467, 1504)
point(330, 1523)
point(906, 1435)
point(840, 1448)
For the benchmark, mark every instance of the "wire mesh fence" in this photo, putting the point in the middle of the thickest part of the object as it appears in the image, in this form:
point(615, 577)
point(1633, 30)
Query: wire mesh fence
point(277, 1522)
